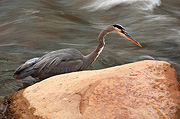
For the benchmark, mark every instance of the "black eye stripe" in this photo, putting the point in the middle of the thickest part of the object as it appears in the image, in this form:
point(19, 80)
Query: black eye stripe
point(118, 26)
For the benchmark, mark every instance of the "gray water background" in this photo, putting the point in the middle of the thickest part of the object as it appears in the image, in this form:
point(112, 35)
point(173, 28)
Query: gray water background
point(31, 28)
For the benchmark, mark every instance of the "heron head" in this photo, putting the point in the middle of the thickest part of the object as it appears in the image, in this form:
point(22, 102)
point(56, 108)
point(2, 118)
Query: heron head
point(121, 31)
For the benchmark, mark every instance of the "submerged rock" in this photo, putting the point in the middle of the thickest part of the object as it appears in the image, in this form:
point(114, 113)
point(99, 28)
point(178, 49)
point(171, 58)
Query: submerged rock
point(146, 89)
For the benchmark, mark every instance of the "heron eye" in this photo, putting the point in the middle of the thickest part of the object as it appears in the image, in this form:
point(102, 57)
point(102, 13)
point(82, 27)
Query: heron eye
point(123, 32)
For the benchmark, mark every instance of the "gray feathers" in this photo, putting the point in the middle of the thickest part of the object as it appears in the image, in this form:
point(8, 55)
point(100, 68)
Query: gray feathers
point(53, 63)
point(25, 69)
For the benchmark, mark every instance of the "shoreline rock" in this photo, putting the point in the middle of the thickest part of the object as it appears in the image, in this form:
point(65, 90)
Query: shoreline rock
point(145, 89)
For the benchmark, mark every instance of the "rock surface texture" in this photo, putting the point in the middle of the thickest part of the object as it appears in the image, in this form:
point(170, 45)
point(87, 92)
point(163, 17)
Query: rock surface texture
point(141, 90)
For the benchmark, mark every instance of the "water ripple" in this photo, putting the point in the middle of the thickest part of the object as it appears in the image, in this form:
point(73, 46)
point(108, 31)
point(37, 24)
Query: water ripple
point(95, 5)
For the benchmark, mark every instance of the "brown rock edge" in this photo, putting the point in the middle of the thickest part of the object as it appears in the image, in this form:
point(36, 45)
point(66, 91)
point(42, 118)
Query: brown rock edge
point(141, 90)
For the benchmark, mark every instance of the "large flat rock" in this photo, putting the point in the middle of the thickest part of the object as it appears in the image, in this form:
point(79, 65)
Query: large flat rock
point(141, 90)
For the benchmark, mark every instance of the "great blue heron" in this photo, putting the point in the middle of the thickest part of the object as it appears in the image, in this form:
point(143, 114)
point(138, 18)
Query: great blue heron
point(66, 60)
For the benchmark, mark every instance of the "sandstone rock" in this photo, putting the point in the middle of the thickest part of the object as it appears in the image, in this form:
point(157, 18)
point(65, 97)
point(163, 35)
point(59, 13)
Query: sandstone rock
point(141, 90)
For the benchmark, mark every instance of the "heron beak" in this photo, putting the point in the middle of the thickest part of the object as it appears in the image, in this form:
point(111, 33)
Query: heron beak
point(126, 35)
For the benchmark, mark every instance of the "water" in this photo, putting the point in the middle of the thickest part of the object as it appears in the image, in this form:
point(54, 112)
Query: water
point(32, 28)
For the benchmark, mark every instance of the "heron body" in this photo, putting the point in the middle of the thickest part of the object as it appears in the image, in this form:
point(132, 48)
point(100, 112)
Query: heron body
point(66, 60)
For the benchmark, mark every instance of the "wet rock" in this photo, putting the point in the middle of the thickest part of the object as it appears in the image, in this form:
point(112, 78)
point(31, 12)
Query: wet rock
point(141, 90)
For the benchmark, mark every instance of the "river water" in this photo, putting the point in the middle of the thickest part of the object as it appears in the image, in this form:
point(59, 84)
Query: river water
point(31, 28)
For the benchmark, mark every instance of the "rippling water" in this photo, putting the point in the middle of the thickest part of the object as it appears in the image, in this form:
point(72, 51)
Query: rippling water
point(32, 28)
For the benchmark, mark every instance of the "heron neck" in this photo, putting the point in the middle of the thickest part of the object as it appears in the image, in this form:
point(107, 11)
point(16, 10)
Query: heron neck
point(90, 58)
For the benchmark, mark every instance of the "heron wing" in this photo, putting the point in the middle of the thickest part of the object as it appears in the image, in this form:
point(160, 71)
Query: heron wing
point(26, 65)
point(58, 62)
point(61, 68)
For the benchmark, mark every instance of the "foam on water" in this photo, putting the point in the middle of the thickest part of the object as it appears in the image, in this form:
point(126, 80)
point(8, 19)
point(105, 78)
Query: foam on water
point(95, 5)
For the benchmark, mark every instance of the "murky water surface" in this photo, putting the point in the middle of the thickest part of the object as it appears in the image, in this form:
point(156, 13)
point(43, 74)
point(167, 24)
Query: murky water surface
point(32, 28)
